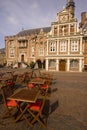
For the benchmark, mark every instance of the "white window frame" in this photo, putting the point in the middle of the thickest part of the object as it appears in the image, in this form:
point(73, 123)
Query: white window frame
point(41, 51)
point(23, 44)
point(74, 46)
point(74, 64)
point(63, 46)
point(11, 52)
point(52, 46)
point(52, 63)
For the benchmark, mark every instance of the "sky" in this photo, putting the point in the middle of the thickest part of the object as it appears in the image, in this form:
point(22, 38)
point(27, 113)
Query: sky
point(16, 15)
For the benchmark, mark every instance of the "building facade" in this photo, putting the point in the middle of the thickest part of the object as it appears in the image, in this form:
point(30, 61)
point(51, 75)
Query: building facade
point(83, 25)
point(64, 42)
point(27, 46)
point(2, 57)
point(61, 47)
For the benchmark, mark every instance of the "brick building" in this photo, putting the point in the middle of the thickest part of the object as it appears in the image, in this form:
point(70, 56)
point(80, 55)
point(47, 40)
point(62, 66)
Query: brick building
point(61, 47)
point(83, 26)
point(2, 57)
point(27, 46)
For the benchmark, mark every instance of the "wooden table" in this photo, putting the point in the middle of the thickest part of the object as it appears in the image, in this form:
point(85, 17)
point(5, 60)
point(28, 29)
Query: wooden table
point(27, 96)
point(38, 81)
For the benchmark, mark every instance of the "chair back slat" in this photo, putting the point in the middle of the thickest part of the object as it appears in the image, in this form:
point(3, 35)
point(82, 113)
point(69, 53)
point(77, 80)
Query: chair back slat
point(14, 78)
point(7, 91)
point(28, 76)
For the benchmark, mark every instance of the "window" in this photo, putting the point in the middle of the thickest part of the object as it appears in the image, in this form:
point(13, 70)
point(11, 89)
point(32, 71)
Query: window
point(11, 52)
point(74, 46)
point(64, 30)
point(32, 51)
point(52, 63)
point(74, 63)
point(41, 51)
point(52, 47)
point(23, 44)
point(63, 46)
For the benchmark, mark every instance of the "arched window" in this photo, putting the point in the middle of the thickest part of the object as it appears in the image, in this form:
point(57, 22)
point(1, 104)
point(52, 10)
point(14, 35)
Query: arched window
point(52, 63)
point(74, 64)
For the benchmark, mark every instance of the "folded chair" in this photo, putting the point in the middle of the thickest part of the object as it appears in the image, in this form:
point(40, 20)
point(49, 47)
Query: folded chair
point(10, 105)
point(35, 110)
point(44, 88)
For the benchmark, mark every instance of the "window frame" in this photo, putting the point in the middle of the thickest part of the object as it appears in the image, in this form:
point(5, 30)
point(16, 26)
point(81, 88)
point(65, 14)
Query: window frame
point(41, 51)
point(11, 52)
point(74, 46)
point(74, 64)
point(63, 46)
point(52, 46)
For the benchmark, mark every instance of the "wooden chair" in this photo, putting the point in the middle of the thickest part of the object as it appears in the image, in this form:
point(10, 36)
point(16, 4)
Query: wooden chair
point(28, 76)
point(47, 77)
point(35, 110)
point(12, 82)
point(10, 105)
point(36, 73)
point(44, 88)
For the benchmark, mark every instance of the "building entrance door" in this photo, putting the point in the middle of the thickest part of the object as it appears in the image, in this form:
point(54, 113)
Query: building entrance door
point(19, 65)
point(22, 58)
point(62, 65)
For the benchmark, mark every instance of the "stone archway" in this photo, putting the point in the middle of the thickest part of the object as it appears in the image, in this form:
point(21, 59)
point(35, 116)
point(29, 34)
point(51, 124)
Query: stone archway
point(39, 63)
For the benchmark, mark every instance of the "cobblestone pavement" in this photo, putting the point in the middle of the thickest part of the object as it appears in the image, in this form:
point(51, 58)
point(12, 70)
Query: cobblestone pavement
point(66, 104)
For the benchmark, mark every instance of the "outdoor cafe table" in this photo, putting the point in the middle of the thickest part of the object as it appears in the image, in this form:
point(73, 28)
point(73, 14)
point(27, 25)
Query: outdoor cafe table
point(38, 81)
point(25, 95)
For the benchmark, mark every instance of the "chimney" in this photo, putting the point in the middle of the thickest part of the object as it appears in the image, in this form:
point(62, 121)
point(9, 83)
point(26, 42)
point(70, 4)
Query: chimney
point(83, 17)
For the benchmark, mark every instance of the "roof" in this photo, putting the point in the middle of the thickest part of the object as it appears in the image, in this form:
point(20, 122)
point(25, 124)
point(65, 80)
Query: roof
point(33, 31)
